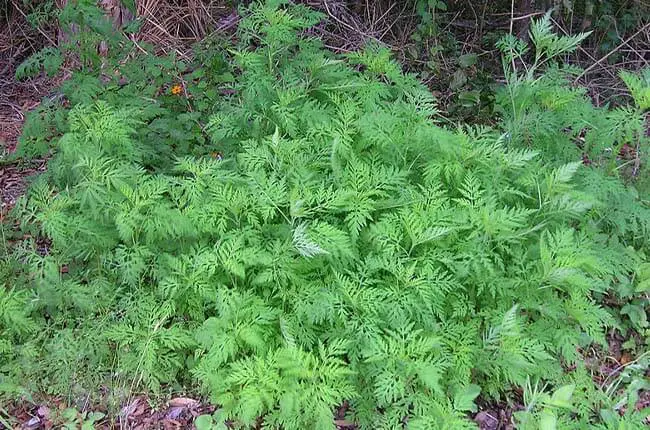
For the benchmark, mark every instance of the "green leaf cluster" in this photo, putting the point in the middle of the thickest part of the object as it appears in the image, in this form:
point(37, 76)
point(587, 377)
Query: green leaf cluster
point(342, 247)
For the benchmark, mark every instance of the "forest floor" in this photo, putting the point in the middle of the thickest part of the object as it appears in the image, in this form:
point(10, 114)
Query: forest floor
point(17, 99)
point(143, 412)
point(14, 175)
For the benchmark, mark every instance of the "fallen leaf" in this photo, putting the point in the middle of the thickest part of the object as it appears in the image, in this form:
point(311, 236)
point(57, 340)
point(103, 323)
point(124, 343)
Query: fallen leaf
point(171, 424)
point(43, 411)
point(175, 412)
point(486, 421)
point(33, 423)
point(134, 409)
point(140, 410)
point(184, 402)
point(128, 409)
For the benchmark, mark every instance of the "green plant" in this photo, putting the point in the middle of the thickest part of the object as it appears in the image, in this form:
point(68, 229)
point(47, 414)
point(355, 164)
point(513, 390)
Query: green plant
point(49, 59)
point(426, 11)
point(541, 407)
point(307, 234)
point(539, 105)
point(429, 43)
point(541, 109)
point(73, 420)
point(639, 87)
point(210, 422)
point(465, 87)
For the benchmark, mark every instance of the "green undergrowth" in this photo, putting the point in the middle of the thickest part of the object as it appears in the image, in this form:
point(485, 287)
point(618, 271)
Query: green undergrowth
point(287, 230)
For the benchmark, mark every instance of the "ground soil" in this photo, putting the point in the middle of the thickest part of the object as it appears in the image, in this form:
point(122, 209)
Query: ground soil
point(17, 99)
point(138, 414)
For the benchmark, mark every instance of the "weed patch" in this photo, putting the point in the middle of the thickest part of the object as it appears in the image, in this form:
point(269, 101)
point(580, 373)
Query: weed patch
point(290, 229)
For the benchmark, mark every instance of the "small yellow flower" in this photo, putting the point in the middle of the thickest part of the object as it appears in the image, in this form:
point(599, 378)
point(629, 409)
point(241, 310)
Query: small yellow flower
point(177, 89)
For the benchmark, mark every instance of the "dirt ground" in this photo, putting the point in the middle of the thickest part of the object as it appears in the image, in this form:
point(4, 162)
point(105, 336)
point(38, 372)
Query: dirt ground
point(17, 99)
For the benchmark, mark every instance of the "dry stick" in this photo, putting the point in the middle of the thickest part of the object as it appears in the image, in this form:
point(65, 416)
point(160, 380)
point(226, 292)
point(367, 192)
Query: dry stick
point(629, 46)
point(38, 28)
point(635, 51)
point(637, 160)
point(591, 57)
point(451, 22)
point(381, 18)
point(345, 24)
point(367, 12)
point(512, 15)
point(390, 28)
point(147, 16)
point(520, 17)
point(641, 30)
point(622, 366)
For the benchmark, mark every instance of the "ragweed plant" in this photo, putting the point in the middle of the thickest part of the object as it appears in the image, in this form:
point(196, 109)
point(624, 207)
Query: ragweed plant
point(342, 247)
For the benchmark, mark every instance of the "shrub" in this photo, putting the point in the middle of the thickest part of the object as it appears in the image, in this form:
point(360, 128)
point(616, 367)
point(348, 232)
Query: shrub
point(330, 241)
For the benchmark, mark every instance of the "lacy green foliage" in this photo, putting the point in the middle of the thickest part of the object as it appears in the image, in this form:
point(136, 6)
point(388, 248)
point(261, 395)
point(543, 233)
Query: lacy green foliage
point(74, 16)
point(541, 108)
point(49, 59)
point(341, 246)
point(639, 87)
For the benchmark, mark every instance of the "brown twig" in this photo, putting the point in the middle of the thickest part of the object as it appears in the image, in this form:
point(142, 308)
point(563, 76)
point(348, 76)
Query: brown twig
point(345, 24)
point(13, 2)
point(637, 160)
point(581, 49)
point(613, 51)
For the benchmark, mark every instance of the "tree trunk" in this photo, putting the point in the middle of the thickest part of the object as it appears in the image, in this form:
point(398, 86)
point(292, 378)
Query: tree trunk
point(589, 15)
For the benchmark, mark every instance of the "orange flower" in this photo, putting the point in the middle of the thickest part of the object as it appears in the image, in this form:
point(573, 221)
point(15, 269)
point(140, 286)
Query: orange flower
point(177, 89)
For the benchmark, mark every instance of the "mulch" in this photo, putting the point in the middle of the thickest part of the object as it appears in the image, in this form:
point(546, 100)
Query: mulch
point(138, 414)
point(18, 40)
point(17, 99)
